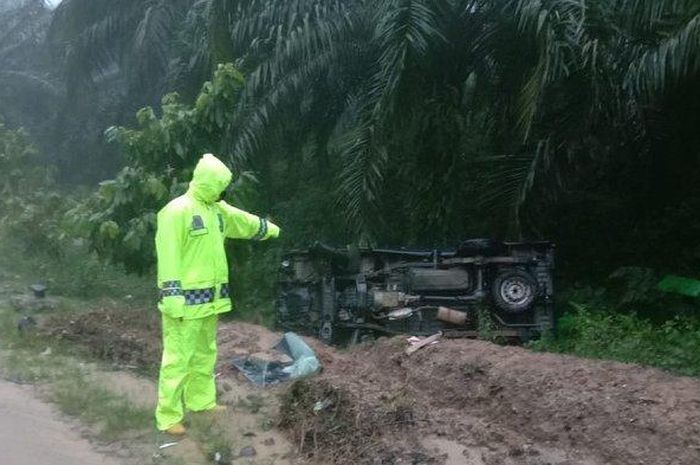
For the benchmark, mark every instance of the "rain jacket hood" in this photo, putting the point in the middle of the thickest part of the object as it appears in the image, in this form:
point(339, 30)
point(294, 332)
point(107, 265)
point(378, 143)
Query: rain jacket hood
point(211, 177)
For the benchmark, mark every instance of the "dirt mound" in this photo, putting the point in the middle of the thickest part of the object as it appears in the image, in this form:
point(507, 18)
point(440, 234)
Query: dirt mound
point(133, 337)
point(477, 403)
point(457, 402)
point(125, 337)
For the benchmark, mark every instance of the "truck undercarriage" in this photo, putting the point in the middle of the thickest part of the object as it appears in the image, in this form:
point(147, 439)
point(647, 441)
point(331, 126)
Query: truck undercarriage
point(349, 294)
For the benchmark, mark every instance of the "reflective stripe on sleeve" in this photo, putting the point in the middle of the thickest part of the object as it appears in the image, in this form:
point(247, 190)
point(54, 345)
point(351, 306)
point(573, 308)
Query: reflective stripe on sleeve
point(262, 230)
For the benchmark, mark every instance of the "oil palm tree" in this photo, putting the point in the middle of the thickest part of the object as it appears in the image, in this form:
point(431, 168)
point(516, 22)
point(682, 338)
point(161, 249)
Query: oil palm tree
point(29, 91)
point(477, 101)
point(353, 75)
point(598, 68)
point(114, 58)
point(434, 90)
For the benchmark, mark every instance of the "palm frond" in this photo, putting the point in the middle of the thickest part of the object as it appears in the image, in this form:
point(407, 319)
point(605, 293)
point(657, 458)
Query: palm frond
point(151, 43)
point(360, 178)
point(94, 53)
point(558, 27)
point(406, 30)
point(675, 57)
point(509, 180)
point(256, 117)
point(29, 82)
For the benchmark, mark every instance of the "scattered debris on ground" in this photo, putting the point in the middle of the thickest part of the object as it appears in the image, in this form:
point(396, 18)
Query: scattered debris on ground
point(26, 324)
point(295, 360)
point(416, 343)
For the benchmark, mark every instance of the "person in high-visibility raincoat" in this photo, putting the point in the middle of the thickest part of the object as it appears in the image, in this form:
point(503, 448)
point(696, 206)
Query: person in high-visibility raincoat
point(194, 289)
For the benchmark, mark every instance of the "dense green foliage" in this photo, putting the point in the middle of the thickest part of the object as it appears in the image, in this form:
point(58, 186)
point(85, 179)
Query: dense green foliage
point(599, 333)
point(452, 119)
point(30, 209)
point(120, 217)
point(412, 122)
point(628, 319)
point(38, 237)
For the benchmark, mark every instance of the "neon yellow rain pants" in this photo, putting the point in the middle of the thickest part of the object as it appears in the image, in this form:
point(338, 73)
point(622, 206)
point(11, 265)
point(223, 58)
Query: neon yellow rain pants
point(187, 369)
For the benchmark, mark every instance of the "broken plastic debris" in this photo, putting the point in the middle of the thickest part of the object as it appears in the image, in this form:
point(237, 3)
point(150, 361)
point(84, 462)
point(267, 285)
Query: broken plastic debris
point(305, 361)
point(401, 313)
point(168, 444)
point(322, 405)
point(413, 340)
point(264, 373)
point(414, 346)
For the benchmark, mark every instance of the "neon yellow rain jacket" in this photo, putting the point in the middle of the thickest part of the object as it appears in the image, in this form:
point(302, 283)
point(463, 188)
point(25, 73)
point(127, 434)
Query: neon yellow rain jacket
point(192, 266)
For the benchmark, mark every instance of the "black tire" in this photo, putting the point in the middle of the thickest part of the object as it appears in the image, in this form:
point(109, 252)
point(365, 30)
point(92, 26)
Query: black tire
point(514, 291)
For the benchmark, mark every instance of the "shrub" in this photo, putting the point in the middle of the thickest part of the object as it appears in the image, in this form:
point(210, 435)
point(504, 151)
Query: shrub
point(673, 345)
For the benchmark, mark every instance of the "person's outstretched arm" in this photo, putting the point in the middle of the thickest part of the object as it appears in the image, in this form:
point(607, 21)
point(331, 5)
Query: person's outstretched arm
point(240, 224)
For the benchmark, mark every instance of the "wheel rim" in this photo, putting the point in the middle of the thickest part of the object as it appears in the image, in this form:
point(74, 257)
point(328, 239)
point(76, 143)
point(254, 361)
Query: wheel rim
point(516, 291)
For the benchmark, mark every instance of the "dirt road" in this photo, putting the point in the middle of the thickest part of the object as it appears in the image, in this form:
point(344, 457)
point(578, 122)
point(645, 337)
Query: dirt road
point(32, 433)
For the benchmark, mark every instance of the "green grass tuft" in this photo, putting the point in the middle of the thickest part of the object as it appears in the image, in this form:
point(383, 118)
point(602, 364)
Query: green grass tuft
point(112, 413)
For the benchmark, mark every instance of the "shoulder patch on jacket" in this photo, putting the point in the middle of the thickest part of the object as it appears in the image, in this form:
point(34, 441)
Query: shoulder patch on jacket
point(197, 222)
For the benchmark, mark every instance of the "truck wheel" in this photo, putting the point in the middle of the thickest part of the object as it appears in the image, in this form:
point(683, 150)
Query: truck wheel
point(514, 291)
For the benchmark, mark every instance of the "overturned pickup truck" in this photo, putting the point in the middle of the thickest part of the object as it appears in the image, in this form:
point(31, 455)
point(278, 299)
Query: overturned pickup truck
point(349, 294)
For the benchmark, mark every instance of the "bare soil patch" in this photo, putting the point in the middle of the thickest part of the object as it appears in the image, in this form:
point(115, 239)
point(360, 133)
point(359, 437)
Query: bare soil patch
point(129, 337)
point(460, 401)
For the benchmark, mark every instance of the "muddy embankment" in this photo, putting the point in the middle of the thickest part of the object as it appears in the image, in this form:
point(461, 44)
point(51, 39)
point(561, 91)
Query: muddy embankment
point(456, 402)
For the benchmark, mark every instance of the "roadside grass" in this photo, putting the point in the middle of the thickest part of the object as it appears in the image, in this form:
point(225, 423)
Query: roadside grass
point(27, 358)
point(75, 272)
point(66, 383)
point(626, 337)
point(63, 371)
point(27, 366)
point(113, 415)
